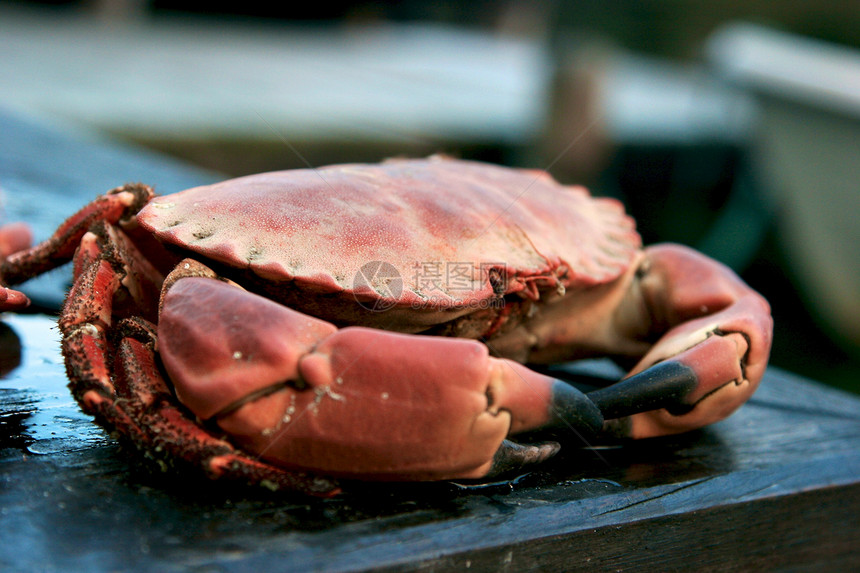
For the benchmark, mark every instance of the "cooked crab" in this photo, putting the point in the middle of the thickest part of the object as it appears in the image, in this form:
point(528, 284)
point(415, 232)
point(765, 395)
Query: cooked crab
point(372, 322)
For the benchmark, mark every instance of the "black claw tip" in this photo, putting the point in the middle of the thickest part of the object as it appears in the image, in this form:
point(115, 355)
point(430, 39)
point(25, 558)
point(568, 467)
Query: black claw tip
point(513, 456)
point(664, 385)
point(572, 409)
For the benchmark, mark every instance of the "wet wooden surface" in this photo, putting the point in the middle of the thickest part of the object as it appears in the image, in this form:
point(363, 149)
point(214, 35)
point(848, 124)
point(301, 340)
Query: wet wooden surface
point(775, 486)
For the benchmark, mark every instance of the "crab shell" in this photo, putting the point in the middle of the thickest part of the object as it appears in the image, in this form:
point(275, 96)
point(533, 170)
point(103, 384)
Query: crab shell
point(451, 235)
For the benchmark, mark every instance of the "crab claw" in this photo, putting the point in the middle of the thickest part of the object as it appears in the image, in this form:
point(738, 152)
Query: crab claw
point(714, 341)
point(354, 402)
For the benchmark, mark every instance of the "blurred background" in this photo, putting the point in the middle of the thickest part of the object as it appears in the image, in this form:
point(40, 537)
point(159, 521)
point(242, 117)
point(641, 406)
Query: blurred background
point(733, 127)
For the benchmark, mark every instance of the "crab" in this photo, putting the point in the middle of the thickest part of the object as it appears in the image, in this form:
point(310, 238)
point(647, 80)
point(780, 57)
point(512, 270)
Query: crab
point(372, 322)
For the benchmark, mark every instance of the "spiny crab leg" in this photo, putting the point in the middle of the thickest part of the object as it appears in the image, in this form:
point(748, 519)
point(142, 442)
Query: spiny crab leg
point(714, 341)
point(61, 246)
point(353, 402)
point(137, 401)
point(19, 263)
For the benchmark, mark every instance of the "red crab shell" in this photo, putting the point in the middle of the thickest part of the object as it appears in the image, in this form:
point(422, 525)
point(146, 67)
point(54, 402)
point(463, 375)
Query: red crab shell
point(317, 228)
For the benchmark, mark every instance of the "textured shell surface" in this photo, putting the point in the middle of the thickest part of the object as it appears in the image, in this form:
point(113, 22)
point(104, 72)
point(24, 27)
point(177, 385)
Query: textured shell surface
point(456, 231)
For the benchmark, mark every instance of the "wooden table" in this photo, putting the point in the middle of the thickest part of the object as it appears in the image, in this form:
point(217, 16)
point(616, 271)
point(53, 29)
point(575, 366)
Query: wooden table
point(776, 486)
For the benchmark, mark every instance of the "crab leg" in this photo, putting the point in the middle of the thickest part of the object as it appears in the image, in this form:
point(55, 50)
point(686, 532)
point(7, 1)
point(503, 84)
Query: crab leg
point(12, 299)
point(353, 402)
point(714, 341)
point(61, 246)
point(13, 238)
point(20, 263)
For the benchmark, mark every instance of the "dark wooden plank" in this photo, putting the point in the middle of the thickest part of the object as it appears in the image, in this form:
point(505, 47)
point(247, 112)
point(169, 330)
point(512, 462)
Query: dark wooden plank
point(818, 528)
point(777, 481)
point(774, 486)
